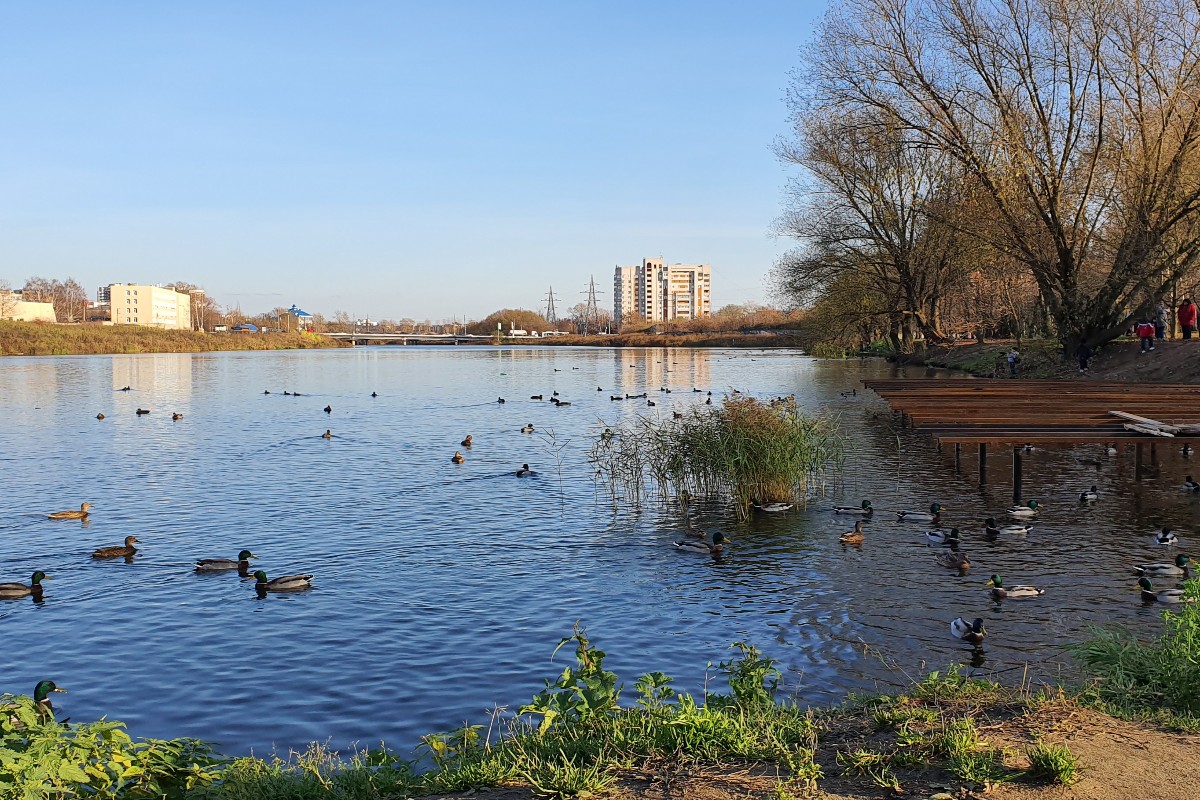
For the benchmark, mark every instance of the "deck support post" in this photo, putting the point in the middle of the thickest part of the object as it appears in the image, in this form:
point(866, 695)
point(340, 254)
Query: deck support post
point(1016, 476)
point(958, 457)
point(1138, 469)
point(982, 463)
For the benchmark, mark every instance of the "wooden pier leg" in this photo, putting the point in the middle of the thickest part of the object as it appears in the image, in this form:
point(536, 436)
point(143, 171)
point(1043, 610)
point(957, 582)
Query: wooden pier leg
point(1137, 461)
point(1016, 476)
point(982, 463)
point(957, 457)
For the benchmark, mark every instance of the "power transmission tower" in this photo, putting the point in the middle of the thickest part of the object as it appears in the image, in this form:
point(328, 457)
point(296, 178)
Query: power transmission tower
point(591, 314)
point(551, 317)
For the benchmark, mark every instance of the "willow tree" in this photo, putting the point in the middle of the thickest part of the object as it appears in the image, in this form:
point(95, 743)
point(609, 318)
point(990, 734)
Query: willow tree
point(875, 203)
point(1079, 120)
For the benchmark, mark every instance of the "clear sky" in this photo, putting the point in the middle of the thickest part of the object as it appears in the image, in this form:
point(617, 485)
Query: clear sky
point(393, 159)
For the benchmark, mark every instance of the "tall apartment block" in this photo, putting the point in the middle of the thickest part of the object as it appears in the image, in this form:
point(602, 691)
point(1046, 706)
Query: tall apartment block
point(658, 291)
point(138, 304)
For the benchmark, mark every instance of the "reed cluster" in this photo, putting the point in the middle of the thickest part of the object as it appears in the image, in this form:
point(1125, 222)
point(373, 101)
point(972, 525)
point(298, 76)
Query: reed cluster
point(743, 451)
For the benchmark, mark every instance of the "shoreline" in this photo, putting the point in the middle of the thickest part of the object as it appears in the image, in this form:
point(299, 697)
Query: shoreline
point(45, 339)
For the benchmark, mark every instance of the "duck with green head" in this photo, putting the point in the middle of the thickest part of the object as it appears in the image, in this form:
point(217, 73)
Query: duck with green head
point(1001, 592)
point(971, 632)
point(241, 564)
point(942, 537)
point(1180, 569)
point(285, 583)
point(1030, 510)
point(11, 591)
point(932, 515)
point(863, 510)
point(1151, 595)
point(716, 548)
point(992, 528)
point(41, 699)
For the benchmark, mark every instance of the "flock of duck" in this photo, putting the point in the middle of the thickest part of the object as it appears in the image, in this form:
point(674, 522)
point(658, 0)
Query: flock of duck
point(127, 550)
point(954, 557)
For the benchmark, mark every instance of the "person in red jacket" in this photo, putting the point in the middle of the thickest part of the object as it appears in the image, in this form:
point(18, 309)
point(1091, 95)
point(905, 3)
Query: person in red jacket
point(1145, 332)
point(1187, 317)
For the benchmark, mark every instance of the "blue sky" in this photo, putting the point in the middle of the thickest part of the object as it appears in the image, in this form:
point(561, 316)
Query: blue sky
point(393, 159)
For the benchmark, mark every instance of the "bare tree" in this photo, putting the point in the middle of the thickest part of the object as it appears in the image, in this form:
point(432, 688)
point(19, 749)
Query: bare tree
point(38, 290)
point(1080, 122)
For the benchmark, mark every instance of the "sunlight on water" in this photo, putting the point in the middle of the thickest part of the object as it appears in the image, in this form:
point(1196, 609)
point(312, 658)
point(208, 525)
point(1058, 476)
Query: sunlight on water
point(441, 589)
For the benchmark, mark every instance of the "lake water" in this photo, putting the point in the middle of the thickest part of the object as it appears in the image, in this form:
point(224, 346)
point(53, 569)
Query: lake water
point(442, 589)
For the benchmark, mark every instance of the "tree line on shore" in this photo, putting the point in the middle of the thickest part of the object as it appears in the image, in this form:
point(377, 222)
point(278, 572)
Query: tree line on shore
point(995, 167)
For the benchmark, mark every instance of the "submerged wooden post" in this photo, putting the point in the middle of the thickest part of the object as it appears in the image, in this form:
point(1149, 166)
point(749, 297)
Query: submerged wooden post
point(982, 463)
point(958, 457)
point(1016, 475)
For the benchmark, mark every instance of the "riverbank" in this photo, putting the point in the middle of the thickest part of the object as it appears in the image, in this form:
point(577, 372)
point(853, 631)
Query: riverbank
point(44, 339)
point(1171, 361)
point(732, 339)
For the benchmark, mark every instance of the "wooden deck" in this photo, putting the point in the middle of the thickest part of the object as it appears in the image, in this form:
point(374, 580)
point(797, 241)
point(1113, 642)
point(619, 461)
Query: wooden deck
point(1018, 412)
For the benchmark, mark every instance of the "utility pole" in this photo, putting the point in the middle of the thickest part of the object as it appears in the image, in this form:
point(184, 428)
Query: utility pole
point(591, 314)
point(550, 315)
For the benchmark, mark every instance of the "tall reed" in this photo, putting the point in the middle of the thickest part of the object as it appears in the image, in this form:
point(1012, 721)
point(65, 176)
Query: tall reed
point(744, 451)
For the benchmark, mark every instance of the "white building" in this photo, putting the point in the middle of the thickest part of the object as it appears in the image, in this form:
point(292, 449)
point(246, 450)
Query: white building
point(14, 308)
point(658, 291)
point(139, 304)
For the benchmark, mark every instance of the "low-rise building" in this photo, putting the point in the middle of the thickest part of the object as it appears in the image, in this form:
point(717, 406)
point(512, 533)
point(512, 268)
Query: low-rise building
point(14, 308)
point(156, 306)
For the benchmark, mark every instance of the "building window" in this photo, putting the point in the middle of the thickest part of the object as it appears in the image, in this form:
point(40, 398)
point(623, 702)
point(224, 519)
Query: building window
point(135, 319)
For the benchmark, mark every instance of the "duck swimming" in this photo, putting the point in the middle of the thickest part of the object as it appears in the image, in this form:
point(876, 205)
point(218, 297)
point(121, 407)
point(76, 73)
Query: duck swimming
point(242, 564)
point(535, 397)
point(932, 515)
point(992, 529)
point(1165, 536)
point(9, 591)
point(286, 583)
point(528, 428)
point(457, 458)
point(100, 416)
point(176, 417)
point(773, 508)
point(1110, 450)
point(1030, 510)
point(1150, 594)
point(80, 514)
point(41, 699)
point(117, 552)
point(1190, 485)
point(1001, 592)
point(1180, 569)
point(327, 434)
point(524, 471)
point(954, 560)
point(328, 409)
point(855, 536)
point(1090, 495)
point(142, 411)
point(863, 510)
point(972, 632)
point(941, 537)
point(717, 546)
point(467, 441)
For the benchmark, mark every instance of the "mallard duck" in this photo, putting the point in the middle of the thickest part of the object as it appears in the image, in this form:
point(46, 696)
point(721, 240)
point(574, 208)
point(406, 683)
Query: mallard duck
point(1150, 594)
point(125, 389)
point(467, 441)
point(864, 510)
point(242, 564)
point(1166, 536)
point(124, 551)
point(953, 559)
point(1186, 450)
point(972, 632)
point(100, 416)
point(41, 699)
point(457, 458)
point(993, 529)
point(1002, 592)
point(266, 391)
point(142, 411)
point(1110, 450)
point(374, 394)
point(328, 409)
point(1030, 510)
point(80, 514)
point(535, 397)
point(651, 403)
point(718, 545)
point(932, 515)
point(855, 536)
point(1028, 448)
point(524, 471)
point(500, 400)
point(773, 508)
point(15, 590)
point(328, 434)
point(1190, 485)
point(286, 583)
point(1180, 569)
point(176, 416)
point(528, 428)
point(561, 403)
point(1090, 495)
point(942, 537)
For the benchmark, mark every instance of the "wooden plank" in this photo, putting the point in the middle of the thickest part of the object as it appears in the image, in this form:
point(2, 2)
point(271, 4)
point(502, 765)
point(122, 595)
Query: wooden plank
point(1133, 426)
point(1152, 423)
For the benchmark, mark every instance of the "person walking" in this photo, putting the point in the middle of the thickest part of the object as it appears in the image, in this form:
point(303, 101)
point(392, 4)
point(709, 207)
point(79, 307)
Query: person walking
point(1013, 357)
point(1083, 353)
point(1145, 333)
point(1160, 321)
point(1187, 317)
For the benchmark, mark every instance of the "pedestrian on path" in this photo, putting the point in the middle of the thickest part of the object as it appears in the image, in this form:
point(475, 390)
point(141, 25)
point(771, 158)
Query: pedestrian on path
point(1013, 357)
point(1145, 333)
point(1160, 321)
point(1083, 353)
point(1187, 317)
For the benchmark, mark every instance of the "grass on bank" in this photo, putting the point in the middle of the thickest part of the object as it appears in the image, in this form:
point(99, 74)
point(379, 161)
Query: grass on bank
point(744, 451)
point(45, 339)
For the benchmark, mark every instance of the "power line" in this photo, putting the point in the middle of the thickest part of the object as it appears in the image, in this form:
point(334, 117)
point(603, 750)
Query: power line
point(551, 317)
point(591, 314)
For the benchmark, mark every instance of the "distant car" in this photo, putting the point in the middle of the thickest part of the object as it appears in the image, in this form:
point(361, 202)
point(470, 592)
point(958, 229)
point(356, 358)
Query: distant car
point(244, 327)
point(220, 328)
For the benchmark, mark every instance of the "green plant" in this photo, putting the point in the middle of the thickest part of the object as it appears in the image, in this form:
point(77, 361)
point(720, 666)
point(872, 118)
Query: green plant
point(753, 678)
point(581, 692)
point(1053, 762)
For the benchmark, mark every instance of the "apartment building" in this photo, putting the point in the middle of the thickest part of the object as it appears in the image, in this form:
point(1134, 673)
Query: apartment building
point(139, 304)
point(659, 291)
